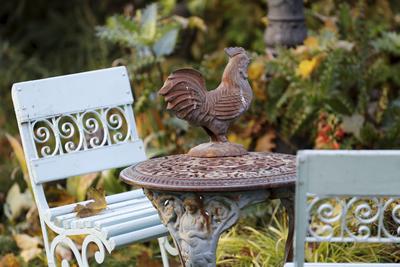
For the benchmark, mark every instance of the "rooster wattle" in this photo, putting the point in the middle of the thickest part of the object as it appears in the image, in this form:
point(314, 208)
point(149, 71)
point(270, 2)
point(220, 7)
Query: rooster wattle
point(186, 94)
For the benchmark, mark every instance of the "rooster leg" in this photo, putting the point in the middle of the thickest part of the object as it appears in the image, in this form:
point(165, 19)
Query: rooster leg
point(222, 138)
point(214, 137)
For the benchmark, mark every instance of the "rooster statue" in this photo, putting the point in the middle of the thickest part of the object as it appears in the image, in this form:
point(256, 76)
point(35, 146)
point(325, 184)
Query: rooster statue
point(186, 94)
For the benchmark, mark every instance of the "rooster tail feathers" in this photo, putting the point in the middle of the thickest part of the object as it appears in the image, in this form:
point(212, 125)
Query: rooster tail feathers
point(185, 92)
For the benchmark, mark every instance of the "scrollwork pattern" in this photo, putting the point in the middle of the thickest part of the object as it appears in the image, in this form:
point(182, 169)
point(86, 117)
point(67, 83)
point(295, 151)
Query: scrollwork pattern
point(80, 257)
point(43, 136)
point(94, 129)
point(81, 131)
point(327, 215)
point(116, 120)
point(69, 135)
point(349, 219)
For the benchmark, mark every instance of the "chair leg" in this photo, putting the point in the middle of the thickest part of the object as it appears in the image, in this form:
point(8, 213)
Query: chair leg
point(164, 255)
point(50, 258)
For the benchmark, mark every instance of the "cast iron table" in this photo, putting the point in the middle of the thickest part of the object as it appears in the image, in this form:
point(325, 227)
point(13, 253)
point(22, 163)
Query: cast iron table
point(199, 198)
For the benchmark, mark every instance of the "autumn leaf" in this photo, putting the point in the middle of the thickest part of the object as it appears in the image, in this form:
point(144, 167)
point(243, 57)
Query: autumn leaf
point(9, 260)
point(311, 42)
point(306, 67)
point(92, 208)
point(29, 246)
point(266, 142)
point(197, 22)
point(19, 154)
point(265, 21)
point(330, 25)
point(256, 70)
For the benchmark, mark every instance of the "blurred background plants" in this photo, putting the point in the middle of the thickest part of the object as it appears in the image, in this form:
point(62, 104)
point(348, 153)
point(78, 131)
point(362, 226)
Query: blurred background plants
point(338, 90)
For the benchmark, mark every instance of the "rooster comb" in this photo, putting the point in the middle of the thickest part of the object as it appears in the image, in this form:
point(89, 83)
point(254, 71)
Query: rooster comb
point(233, 51)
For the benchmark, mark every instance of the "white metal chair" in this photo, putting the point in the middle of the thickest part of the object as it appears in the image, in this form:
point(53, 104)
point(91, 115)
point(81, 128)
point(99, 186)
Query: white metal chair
point(76, 124)
point(346, 196)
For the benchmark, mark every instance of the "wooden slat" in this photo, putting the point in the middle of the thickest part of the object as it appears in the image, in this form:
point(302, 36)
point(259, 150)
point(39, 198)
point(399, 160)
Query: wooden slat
point(82, 162)
point(71, 93)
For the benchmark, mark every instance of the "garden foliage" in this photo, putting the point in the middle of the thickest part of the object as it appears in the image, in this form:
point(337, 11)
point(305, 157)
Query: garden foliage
point(338, 90)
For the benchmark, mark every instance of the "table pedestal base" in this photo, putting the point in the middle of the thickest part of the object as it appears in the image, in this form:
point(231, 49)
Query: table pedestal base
point(196, 220)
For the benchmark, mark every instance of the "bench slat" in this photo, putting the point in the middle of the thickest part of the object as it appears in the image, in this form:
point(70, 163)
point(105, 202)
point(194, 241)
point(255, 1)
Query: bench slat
point(139, 236)
point(89, 222)
point(138, 203)
point(53, 212)
point(124, 217)
point(130, 226)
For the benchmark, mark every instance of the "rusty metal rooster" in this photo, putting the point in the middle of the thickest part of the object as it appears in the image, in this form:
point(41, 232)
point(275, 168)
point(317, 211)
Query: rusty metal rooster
point(186, 94)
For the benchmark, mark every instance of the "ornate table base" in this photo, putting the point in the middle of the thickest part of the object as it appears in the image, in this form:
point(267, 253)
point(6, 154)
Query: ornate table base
point(196, 220)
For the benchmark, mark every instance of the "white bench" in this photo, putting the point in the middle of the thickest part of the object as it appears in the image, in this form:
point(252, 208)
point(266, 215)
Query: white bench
point(76, 124)
point(336, 189)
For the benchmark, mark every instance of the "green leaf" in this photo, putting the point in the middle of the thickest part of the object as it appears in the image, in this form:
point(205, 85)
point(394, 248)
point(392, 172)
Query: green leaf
point(338, 106)
point(390, 42)
point(111, 184)
point(167, 6)
point(166, 44)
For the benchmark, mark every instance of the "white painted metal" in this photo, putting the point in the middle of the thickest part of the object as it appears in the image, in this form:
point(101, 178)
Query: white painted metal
point(76, 124)
point(140, 235)
point(109, 199)
point(70, 220)
point(356, 180)
point(335, 188)
point(71, 93)
point(54, 168)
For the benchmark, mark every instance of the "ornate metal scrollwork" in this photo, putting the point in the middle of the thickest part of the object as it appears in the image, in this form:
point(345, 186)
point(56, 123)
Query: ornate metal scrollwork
point(116, 120)
point(80, 131)
point(80, 257)
point(196, 220)
point(349, 219)
point(43, 136)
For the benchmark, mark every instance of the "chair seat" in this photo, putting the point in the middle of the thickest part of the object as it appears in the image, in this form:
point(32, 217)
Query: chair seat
point(320, 264)
point(129, 217)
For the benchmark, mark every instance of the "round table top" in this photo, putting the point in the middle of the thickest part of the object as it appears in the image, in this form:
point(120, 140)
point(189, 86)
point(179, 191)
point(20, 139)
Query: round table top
point(256, 170)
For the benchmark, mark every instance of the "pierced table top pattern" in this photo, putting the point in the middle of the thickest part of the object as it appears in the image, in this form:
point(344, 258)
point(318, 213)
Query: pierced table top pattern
point(256, 170)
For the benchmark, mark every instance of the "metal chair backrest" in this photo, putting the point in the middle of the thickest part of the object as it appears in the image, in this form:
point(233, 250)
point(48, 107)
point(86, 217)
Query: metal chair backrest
point(347, 196)
point(76, 124)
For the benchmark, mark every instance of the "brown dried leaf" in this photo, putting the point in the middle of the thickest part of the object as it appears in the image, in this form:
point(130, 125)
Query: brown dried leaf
point(266, 142)
point(25, 241)
point(9, 260)
point(19, 154)
point(30, 254)
point(29, 246)
point(92, 208)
